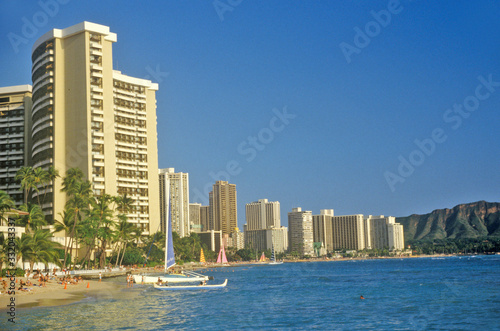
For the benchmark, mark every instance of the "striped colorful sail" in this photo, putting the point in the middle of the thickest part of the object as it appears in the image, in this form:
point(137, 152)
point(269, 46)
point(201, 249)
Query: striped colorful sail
point(262, 257)
point(224, 259)
point(202, 256)
point(221, 258)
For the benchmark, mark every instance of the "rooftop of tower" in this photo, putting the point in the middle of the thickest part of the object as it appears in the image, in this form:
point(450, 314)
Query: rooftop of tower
point(77, 28)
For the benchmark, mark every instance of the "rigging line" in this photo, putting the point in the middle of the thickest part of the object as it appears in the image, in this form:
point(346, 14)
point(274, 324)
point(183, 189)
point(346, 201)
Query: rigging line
point(151, 246)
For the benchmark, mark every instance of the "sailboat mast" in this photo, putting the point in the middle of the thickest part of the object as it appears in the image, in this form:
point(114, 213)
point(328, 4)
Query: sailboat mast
point(166, 245)
point(167, 227)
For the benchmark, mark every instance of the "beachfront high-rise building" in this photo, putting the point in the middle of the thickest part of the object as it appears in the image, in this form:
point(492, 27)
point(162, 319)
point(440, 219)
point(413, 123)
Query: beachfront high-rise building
point(396, 236)
point(263, 214)
point(386, 233)
point(205, 218)
point(265, 239)
point(322, 228)
point(300, 232)
point(194, 217)
point(348, 232)
point(223, 210)
point(89, 116)
point(355, 232)
point(174, 199)
point(15, 138)
point(236, 239)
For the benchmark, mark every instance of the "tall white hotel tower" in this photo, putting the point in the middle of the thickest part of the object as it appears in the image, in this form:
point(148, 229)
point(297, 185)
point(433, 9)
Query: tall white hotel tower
point(89, 116)
point(174, 200)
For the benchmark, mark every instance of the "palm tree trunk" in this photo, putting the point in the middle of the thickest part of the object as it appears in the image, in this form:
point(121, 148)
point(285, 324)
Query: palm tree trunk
point(118, 255)
point(102, 258)
point(124, 250)
point(72, 233)
point(67, 248)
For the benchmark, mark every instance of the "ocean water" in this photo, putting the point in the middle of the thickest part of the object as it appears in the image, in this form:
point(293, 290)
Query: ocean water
point(452, 293)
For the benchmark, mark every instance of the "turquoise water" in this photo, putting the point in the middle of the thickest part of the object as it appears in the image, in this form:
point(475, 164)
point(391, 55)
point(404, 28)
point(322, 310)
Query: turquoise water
point(400, 294)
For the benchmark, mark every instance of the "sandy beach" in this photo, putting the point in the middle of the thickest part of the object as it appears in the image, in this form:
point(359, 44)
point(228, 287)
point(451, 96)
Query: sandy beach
point(54, 294)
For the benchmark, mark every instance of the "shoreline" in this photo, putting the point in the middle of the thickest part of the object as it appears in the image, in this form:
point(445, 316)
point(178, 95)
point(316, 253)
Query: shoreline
point(54, 294)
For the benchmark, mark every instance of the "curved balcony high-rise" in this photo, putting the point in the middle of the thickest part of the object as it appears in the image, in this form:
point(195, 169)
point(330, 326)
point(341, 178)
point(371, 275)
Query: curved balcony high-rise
point(88, 116)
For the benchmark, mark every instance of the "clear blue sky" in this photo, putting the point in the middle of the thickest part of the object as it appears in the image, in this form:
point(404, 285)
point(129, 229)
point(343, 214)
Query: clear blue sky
point(351, 104)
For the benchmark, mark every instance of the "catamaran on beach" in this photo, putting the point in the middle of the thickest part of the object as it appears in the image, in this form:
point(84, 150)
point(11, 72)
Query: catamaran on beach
point(184, 277)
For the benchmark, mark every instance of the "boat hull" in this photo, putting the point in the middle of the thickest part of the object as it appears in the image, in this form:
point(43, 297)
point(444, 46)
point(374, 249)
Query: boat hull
point(140, 279)
point(189, 287)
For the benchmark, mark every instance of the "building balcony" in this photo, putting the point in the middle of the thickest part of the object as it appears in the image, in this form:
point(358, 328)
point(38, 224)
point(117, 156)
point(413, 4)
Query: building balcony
point(41, 63)
point(129, 145)
point(97, 96)
point(97, 52)
point(96, 179)
point(41, 100)
point(17, 120)
point(95, 66)
point(95, 88)
point(11, 136)
point(96, 133)
point(43, 56)
point(97, 111)
point(42, 120)
point(14, 141)
point(95, 73)
point(98, 119)
point(94, 44)
point(99, 186)
point(39, 128)
point(42, 142)
point(47, 102)
point(43, 162)
point(40, 81)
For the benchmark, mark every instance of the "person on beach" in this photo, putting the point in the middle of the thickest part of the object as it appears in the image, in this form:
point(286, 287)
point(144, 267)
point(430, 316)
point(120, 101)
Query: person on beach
point(100, 276)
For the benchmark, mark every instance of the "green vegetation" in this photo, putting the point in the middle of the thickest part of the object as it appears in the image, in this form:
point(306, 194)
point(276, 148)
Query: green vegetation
point(485, 245)
point(92, 222)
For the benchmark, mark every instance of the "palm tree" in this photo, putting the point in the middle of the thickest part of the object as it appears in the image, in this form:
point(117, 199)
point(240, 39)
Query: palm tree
point(40, 178)
point(24, 248)
point(26, 177)
point(35, 218)
point(103, 214)
point(124, 203)
point(80, 193)
point(4, 251)
point(73, 176)
point(6, 204)
point(124, 234)
point(124, 228)
point(52, 174)
point(87, 232)
point(37, 247)
point(45, 250)
point(65, 225)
